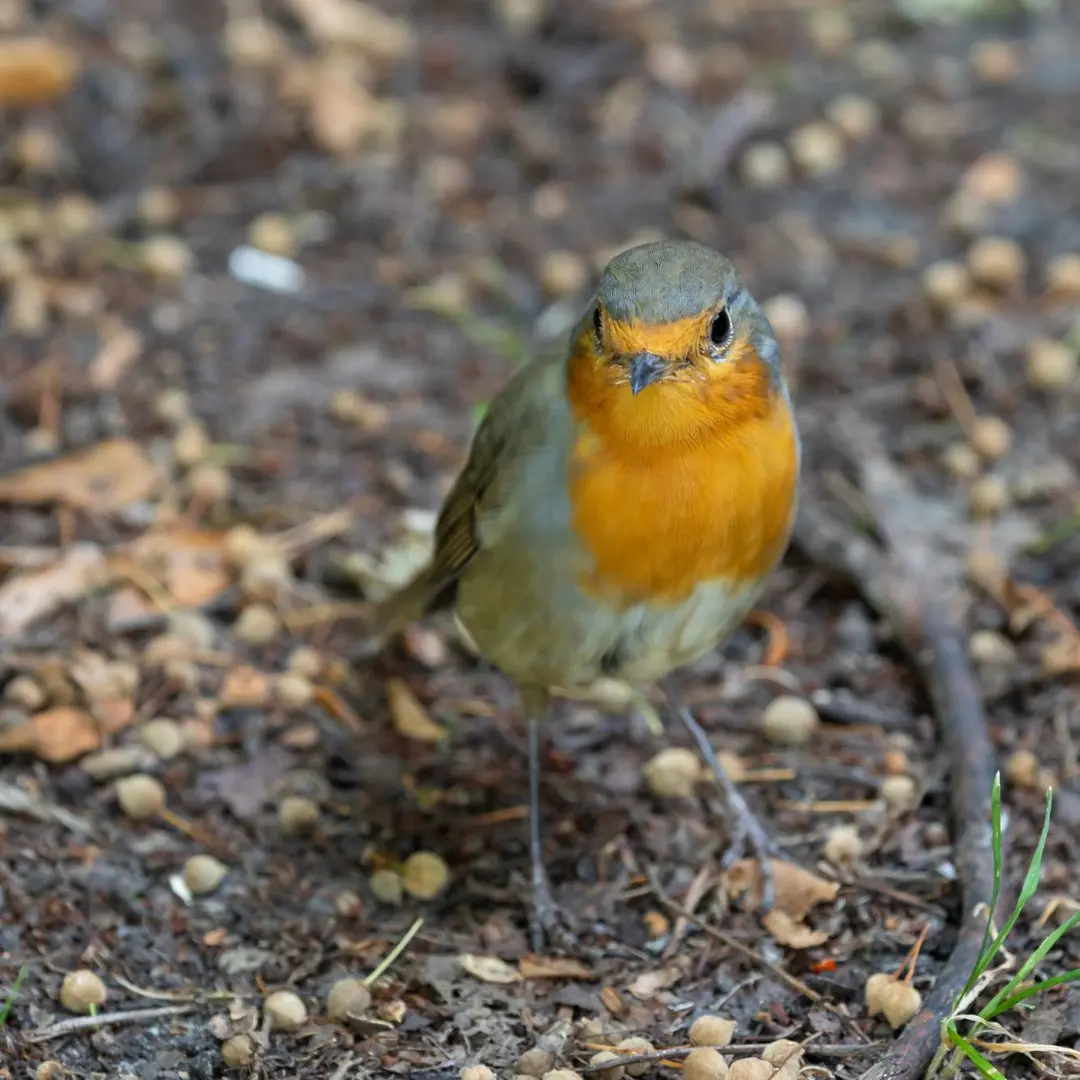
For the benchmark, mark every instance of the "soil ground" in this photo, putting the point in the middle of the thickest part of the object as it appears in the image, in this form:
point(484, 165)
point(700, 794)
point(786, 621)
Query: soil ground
point(489, 137)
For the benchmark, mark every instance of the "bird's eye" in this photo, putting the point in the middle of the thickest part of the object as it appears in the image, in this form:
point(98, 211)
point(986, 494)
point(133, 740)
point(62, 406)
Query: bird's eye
point(598, 323)
point(720, 329)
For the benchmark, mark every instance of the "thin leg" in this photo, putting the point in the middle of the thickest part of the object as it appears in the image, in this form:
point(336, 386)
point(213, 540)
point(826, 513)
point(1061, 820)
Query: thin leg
point(546, 919)
point(536, 849)
point(747, 833)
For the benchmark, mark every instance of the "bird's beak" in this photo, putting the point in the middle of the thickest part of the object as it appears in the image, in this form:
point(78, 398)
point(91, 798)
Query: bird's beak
point(645, 368)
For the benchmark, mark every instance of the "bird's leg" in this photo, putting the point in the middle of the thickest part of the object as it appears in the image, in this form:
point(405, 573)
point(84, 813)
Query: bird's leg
point(545, 914)
point(546, 918)
point(748, 835)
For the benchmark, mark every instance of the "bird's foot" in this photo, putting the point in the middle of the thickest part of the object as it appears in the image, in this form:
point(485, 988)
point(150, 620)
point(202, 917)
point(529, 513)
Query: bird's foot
point(549, 923)
point(749, 839)
point(748, 835)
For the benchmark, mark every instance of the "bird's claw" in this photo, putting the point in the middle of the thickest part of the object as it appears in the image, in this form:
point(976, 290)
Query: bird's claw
point(548, 922)
point(748, 836)
point(749, 839)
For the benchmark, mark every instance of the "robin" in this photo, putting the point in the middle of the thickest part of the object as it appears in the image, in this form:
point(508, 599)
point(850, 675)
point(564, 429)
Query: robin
point(622, 504)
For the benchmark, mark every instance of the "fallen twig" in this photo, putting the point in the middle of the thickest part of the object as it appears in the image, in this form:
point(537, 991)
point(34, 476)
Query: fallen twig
point(750, 954)
point(309, 534)
point(842, 707)
point(76, 1024)
point(731, 942)
point(15, 800)
point(698, 887)
point(338, 708)
point(180, 997)
point(895, 583)
point(836, 1050)
point(343, 1068)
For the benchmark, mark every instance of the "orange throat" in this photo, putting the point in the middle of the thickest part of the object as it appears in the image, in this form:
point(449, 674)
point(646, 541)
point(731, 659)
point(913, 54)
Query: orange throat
point(688, 483)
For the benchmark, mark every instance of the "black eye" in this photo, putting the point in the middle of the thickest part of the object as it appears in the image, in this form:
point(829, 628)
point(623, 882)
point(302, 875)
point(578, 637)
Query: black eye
point(720, 330)
point(598, 322)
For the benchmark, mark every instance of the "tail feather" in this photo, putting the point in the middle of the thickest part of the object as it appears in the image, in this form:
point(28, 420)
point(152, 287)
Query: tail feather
point(421, 596)
point(404, 606)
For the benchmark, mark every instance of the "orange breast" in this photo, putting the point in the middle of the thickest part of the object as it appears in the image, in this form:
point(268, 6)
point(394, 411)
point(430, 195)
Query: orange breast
point(659, 524)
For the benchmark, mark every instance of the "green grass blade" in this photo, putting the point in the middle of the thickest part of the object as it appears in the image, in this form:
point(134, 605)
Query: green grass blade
point(13, 993)
point(980, 1061)
point(1027, 890)
point(1031, 963)
point(985, 953)
point(1035, 988)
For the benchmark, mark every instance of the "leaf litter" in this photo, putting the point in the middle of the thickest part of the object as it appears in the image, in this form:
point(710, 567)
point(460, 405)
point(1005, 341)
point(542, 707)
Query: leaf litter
point(102, 479)
point(299, 911)
point(37, 593)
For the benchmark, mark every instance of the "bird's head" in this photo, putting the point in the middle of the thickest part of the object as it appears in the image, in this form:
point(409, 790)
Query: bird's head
point(671, 347)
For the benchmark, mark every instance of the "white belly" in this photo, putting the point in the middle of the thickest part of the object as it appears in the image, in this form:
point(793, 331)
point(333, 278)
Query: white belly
point(659, 640)
point(562, 637)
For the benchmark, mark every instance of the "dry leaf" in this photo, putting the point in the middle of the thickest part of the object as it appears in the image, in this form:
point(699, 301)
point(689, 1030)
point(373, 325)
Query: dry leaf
point(105, 684)
point(489, 969)
point(37, 389)
point(56, 735)
point(349, 23)
point(792, 933)
point(368, 949)
point(1027, 605)
point(649, 982)
point(244, 688)
point(128, 606)
point(410, 717)
point(797, 890)
point(1060, 657)
point(610, 999)
point(35, 71)
point(188, 563)
point(301, 737)
point(114, 358)
point(103, 479)
point(35, 594)
point(113, 714)
point(26, 556)
point(95, 675)
point(340, 114)
point(553, 967)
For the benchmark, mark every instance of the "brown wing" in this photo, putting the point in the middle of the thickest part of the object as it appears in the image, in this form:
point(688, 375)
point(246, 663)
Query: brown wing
point(456, 541)
point(515, 418)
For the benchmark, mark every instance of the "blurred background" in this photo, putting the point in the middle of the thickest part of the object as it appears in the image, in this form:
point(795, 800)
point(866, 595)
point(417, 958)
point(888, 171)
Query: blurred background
point(437, 185)
point(261, 267)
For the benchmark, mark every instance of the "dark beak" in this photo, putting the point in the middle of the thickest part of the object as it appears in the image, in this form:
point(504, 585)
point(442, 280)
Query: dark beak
point(645, 368)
